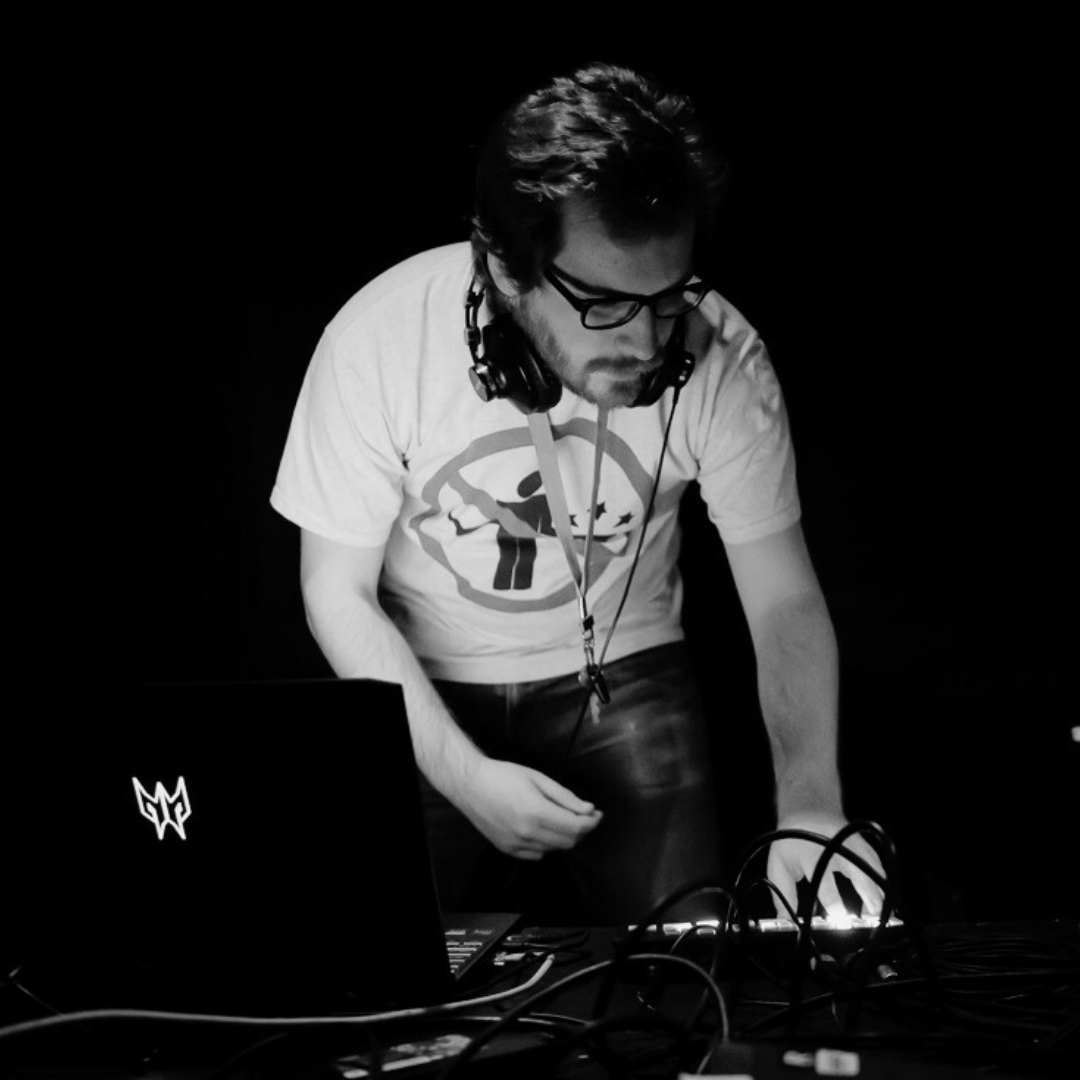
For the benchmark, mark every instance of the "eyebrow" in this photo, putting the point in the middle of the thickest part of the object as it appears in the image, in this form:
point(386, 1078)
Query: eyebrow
point(599, 291)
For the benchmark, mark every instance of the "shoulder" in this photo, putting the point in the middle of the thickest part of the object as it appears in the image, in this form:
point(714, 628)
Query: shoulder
point(420, 285)
point(731, 360)
point(720, 335)
point(399, 342)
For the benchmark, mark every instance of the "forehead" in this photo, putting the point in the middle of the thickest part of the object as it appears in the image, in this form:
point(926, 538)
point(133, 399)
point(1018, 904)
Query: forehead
point(645, 264)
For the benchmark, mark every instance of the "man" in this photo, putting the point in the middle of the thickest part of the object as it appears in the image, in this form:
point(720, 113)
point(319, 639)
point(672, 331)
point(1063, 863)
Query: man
point(509, 556)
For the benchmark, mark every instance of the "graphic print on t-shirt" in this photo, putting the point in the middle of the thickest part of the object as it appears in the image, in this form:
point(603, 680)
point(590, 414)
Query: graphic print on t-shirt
point(517, 554)
point(487, 520)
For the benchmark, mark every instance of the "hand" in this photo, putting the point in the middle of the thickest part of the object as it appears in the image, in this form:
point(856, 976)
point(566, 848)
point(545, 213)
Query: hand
point(790, 860)
point(525, 813)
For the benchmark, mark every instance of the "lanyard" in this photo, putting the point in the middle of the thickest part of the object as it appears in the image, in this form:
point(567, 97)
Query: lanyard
point(543, 440)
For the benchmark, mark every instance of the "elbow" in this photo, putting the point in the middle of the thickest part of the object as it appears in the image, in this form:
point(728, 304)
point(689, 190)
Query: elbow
point(330, 599)
point(803, 616)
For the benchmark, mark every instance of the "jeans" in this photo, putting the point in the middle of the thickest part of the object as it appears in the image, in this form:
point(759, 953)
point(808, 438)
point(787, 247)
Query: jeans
point(644, 762)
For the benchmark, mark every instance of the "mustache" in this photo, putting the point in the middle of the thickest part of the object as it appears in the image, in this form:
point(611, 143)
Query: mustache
point(622, 365)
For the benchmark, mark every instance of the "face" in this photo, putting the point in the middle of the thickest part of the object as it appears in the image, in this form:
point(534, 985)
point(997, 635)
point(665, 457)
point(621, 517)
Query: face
point(606, 367)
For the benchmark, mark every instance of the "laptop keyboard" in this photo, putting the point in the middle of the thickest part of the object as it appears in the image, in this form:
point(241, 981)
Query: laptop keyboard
point(469, 937)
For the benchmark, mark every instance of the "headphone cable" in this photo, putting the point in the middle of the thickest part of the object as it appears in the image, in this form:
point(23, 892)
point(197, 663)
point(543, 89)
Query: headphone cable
point(591, 689)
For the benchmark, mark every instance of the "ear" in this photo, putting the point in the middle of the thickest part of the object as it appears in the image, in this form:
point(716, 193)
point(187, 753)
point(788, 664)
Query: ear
point(501, 278)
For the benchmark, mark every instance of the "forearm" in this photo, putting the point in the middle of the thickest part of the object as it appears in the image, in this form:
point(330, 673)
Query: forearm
point(359, 640)
point(521, 811)
point(798, 684)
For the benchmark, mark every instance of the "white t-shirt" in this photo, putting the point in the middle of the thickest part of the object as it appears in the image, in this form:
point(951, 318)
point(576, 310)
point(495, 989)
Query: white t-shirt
point(390, 445)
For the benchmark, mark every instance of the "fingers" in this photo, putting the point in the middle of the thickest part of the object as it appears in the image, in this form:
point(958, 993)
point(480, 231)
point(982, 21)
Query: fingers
point(542, 835)
point(559, 828)
point(525, 813)
point(829, 896)
point(782, 878)
point(562, 796)
point(563, 818)
point(527, 854)
point(869, 891)
point(790, 861)
point(558, 836)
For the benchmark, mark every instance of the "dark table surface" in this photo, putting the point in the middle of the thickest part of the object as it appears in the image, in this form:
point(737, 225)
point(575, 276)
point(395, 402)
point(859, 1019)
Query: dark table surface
point(941, 1001)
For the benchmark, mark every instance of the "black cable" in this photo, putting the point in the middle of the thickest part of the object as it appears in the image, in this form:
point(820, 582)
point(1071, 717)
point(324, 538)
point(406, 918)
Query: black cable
point(768, 838)
point(651, 994)
point(625, 948)
point(831, 848)
point(241, 1057)
point(849, 975)
point(969, 969)
point(594, 1035)
point(569, 940)
point(1059, 1035)
point(526, 1006)
point(803, 919)
point(12, 980)
point(721, 1031)
point(800, 930)
point(591, 689)
point(644, 526)
point(959, 1016)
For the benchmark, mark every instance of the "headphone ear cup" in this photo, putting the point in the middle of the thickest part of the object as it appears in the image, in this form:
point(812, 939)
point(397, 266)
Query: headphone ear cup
point(514, 371)
point(676, 370)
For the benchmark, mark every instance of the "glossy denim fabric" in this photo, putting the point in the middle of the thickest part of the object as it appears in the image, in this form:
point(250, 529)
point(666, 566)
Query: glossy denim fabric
point(645, 763)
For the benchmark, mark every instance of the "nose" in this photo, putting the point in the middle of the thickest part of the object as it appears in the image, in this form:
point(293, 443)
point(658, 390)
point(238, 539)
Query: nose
point(643, 336)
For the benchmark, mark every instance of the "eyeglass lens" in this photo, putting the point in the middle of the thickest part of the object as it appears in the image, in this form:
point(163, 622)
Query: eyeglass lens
point(608, 313)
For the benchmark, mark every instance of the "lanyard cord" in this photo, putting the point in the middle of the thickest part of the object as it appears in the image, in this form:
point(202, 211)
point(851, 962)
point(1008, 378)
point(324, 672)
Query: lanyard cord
point(626, 590)
point(644, 526)
point(592, 676)
point(540, 426)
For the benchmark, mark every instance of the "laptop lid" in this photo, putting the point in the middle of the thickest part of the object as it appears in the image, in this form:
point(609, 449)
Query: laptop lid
point(252, 847)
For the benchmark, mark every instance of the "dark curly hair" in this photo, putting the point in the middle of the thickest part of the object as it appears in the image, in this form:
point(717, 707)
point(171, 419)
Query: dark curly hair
point(607, 135)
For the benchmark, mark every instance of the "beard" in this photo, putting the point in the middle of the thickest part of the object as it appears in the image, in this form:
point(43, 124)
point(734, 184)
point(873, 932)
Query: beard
point(609, 382)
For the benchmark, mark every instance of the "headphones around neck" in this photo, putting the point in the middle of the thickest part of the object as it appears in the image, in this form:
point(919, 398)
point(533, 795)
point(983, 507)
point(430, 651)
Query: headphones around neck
point(505, 364)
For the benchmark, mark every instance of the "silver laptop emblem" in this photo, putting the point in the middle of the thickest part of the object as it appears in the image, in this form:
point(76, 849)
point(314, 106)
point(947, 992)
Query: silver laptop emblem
point(164, 809)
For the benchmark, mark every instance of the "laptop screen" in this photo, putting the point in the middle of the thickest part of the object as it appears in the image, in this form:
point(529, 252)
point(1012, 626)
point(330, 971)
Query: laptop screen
point(254, 847)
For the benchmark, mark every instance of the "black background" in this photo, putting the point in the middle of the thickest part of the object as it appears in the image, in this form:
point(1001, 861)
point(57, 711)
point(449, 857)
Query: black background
point(894, 229)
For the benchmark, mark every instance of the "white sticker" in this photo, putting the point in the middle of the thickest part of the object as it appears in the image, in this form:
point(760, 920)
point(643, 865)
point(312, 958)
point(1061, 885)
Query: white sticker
point(715, 1076)
point(836, 1063)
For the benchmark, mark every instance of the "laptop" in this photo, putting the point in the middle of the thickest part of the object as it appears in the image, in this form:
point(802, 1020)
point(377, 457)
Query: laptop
point(252, 848)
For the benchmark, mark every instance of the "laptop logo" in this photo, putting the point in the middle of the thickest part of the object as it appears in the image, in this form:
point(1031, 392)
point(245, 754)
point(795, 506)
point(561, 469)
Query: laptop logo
point(164, 809)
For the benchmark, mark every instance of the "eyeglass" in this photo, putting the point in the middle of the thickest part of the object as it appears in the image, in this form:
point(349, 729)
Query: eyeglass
point(615, 309)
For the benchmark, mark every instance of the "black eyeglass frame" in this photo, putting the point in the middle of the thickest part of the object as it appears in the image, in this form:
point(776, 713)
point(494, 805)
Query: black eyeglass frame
point(583, 306)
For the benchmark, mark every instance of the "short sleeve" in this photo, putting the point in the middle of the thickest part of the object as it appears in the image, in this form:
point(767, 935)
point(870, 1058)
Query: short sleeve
point(747, 462)
point(341, 474)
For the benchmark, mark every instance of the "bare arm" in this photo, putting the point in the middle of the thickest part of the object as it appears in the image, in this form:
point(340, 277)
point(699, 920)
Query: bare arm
point(798, 684)
point(520, 810)
point(798, 667)
point(340, 586)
